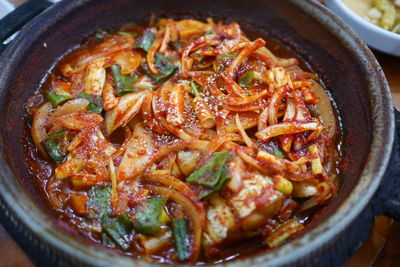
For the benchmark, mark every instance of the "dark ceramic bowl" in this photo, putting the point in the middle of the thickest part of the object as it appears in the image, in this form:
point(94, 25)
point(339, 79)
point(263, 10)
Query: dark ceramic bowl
point(349, 71)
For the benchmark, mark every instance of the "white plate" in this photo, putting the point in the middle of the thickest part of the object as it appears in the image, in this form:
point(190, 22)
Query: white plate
point(373, 35)
point(5, 8)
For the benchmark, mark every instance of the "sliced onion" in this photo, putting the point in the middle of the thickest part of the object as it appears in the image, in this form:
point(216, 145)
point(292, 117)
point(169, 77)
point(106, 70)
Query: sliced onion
point(138, 154)
point(246, 138)
point(128, 106)
point(81, 120)
point(70, 107)
point(40, 119)
point(128, 60)
point(178, 185)
point(196, 216)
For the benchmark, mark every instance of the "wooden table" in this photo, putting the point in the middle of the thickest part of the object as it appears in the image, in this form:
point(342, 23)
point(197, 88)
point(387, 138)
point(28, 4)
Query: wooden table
point(381, 249)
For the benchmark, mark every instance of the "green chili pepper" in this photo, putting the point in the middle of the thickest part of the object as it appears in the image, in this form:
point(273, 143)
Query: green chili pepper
point(313, 110)
point(52, 145)
point(56, 99)
point(165, 67)
point(118, 230)
point(195, 89)
point(182, 240)
point(146, 40)
point(100, 34)
point(148, 216)
point(177, 45)
point(209, 33)
point(99, 203)
point(123, 83)
point(213, 175)
point(95, 102)
point(279, 154)
point(226, 56)
point(246, 78)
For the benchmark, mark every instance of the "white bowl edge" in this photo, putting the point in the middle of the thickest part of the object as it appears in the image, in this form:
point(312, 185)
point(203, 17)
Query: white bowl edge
point(373, 35)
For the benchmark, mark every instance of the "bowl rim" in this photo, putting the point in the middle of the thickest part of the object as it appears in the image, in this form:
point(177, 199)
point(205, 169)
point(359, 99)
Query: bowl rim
point(353, 205)
point(361, 21)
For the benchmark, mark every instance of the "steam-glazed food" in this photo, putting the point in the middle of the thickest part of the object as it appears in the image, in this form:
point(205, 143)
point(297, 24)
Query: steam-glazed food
point(179, 140)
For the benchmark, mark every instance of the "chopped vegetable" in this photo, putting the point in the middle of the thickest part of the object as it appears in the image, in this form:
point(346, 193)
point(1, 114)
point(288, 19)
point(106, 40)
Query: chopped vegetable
point(246, 78)
point(146, 40)
point(388, 18)
point(284, 185)
point(52, 146)
point(226, 56)
point(148, 216)
point(279, 154)
point(99, 203)
point(123, 83)
point(78, 203)
point(212, 175)
point(152, 244)
point(56, 99)
point(182, 241)
point(95, 102)
point(118, 230)
point(165, 67)
point(100, 34)
point(195, 89)
point(313, 110)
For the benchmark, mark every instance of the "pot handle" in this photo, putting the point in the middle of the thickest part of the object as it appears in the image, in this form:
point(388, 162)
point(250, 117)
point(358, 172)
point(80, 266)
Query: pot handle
point(389, 192)
point(20, 16)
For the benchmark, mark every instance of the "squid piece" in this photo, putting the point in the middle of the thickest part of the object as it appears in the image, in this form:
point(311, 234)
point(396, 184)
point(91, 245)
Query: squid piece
point(230, 71)
point(95, 77)
point(144, 82)
point(176, 108)
point(81, 120)
point(70, 107)
point(188, 161)
point(128, 60)
point(137, 155)
point(203, 112)
point(105, 49)
point(272, 60)
point(203, 41)
point(237, 170)
point(278, 77)
point(286, 128)
point(188, 28)
point(68, 168)
point(151, 54)
point(109, 98)
point(247, 119)
point(128, 106)
point(233, 88)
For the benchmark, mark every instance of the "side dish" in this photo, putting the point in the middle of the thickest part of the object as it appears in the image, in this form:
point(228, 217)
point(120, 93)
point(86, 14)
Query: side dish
point(181, 140)
point(383, 13)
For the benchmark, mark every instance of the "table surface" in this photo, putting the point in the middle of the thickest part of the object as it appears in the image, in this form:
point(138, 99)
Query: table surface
point(381, 249)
